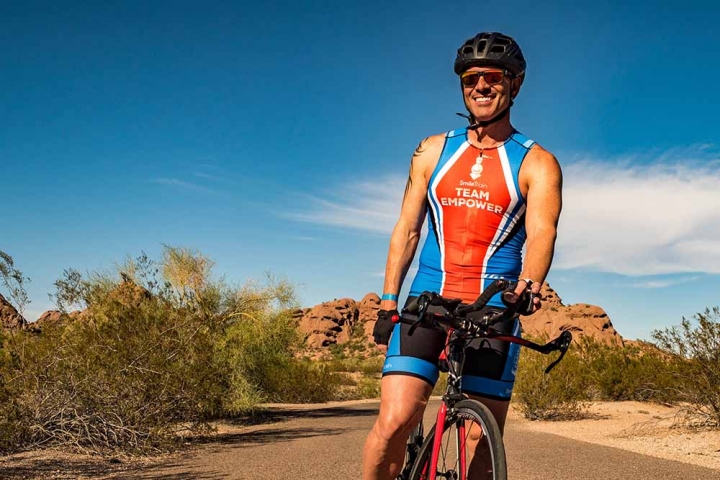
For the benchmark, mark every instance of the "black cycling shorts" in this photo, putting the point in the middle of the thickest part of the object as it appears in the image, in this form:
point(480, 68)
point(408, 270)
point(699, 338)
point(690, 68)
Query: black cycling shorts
point(490, 365)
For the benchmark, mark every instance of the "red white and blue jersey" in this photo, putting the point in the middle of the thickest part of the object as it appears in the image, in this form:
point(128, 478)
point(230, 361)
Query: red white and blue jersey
point(476, 218)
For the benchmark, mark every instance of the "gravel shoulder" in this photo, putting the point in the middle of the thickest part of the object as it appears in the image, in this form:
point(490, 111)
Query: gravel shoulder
point(638, 427)
point(642, 428)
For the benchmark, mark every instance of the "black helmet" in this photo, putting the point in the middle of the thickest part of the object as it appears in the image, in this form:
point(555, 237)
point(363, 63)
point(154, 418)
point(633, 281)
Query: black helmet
point(490, 48)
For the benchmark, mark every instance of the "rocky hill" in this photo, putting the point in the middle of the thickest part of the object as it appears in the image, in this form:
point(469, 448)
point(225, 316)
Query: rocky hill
point(9, 316)
point(580, 318)
point(337, 321)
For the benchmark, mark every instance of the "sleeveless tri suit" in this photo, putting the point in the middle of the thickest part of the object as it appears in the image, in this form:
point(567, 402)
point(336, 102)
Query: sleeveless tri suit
point(476, 231)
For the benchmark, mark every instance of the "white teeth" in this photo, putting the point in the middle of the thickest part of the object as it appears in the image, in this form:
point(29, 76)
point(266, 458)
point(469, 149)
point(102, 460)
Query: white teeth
point(482, 99)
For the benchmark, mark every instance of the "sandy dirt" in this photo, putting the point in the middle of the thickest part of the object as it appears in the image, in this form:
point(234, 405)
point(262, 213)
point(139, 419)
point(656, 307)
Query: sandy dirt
point(637, 427)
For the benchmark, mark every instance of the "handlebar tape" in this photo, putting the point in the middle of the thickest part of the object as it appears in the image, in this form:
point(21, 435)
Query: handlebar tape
point(494, 288)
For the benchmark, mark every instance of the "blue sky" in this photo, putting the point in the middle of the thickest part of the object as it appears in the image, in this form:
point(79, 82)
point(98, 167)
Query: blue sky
point(276, 137)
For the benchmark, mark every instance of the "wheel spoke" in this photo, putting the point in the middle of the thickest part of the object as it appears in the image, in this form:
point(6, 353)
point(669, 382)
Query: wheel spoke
point(467, 450)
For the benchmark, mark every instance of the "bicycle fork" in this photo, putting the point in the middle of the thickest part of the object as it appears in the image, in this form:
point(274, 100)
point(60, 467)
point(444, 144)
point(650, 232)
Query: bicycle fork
point(456, 359)
point(437, 441)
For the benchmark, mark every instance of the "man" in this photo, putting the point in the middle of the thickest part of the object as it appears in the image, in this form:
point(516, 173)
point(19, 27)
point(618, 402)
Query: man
point(486, 190)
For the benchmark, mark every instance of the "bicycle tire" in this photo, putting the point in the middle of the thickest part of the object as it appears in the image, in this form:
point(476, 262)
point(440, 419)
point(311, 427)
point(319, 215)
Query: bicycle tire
point(448, 466)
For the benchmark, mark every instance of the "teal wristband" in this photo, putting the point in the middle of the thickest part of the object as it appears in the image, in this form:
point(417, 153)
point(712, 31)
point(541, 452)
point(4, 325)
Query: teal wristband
point(389, 296)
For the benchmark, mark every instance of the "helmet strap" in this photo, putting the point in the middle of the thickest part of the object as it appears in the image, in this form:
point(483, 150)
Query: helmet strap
point(475, 124)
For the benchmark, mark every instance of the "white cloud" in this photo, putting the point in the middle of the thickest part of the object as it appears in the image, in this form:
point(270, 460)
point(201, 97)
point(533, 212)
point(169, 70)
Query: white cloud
point(369, 206)
point(183, 184)
point(644, 215)
point(641, 218)
point(664, 283)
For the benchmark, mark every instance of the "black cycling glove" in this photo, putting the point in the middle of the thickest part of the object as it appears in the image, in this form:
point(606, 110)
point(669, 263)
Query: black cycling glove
point(384, 326)
point(524, 303)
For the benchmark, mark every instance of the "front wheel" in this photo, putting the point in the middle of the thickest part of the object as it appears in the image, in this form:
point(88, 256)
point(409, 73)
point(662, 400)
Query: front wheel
point(457, 460)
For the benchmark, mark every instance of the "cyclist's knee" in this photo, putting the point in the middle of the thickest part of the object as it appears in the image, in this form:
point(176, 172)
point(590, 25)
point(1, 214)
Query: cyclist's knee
point(395, 423)
point(403, 401)
point(398, 420)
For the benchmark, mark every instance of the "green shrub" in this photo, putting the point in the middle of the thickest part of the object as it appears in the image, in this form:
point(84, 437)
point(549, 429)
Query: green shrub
point(164, 349)
point(369, 366)
point(619, 373)
point(559, 395)
point(693, 349)
point(13, 415)
point(592, 371)
point(292, 381)
point(368, 387)
point(372, 365)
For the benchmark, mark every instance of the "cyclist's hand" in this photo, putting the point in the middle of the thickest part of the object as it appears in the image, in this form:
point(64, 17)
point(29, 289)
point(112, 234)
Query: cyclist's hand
point(384, 327)
point(525, 288)
point(527, 293)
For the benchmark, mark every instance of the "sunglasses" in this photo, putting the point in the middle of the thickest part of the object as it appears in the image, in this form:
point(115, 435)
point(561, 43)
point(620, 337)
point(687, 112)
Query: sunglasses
point(491, 77)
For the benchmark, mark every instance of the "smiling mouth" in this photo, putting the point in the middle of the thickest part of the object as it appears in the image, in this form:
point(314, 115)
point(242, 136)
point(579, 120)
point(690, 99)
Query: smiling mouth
point(483, 100)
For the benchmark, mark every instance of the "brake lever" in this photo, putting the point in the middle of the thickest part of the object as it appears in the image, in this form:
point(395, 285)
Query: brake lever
point(557, 360)
point(562, 343)
point(423, 303)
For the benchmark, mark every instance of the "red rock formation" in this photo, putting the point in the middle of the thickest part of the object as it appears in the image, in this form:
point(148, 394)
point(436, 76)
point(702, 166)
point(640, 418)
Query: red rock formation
point(367, 314)
point(9, 316)
point(51, 316)
point(329, 323)
point(581, 319)
point(333, 322)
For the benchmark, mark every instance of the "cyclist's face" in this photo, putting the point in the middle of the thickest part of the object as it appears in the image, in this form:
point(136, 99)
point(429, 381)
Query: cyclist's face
point(485, 100)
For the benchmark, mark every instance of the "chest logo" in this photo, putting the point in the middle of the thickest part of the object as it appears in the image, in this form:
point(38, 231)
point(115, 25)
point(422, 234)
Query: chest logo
point(476, 170)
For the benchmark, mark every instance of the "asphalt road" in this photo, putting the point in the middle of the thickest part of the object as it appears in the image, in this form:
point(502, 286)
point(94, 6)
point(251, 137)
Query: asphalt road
point(326, 443)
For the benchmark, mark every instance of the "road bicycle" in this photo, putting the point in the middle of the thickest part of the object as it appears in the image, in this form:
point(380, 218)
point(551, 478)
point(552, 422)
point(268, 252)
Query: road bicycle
point(446, 452)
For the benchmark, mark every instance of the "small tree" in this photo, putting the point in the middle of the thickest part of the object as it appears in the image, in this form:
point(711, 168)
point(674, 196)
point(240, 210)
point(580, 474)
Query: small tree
point(558, 395)
point(14, 282)
point(694, 348)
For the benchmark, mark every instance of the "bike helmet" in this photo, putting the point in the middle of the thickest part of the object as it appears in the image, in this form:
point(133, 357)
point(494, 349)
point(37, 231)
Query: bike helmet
point(490, 48)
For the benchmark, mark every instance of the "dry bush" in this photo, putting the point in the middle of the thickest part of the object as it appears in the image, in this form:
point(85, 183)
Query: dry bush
point(162, 349)
point(13, 282)
point(694, 350)
point(558, 395)
point(617, 373)
point(593, 371)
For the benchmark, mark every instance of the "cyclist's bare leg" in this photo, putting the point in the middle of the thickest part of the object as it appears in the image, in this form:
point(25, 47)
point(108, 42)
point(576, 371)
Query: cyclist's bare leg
point(481, 460)
point(402, 402)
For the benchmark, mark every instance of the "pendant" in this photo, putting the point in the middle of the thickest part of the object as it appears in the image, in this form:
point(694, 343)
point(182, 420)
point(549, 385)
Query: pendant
point(476, 170)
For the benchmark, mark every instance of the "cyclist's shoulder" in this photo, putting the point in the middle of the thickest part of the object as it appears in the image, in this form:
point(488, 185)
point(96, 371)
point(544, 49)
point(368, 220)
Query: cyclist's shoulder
point(541, 158)
point(429, 150)
point(541, 167)
point(436, 141)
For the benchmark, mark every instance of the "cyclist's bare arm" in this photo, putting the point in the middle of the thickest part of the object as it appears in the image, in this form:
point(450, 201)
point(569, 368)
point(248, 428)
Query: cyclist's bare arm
point(541, 184)
point(406, 234)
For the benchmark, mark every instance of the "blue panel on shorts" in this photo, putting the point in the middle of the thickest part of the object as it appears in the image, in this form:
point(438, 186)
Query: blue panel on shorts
point(412, 366)
point(487, 387)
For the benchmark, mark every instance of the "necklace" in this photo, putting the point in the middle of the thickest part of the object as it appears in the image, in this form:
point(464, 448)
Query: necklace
point(477, 169)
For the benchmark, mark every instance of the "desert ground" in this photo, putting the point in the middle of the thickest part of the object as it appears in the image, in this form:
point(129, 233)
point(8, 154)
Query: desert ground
point(642, 428)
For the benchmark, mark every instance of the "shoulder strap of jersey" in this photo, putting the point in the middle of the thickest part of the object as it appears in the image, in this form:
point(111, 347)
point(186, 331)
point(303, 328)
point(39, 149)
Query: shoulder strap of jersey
point(456, 133)
point(522, 140)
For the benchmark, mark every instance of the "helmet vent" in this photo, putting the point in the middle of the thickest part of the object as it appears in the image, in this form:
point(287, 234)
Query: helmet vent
point(490, 48)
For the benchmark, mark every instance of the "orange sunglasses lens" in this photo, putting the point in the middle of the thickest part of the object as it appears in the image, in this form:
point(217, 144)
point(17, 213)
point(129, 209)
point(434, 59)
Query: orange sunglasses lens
point(492, 77)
